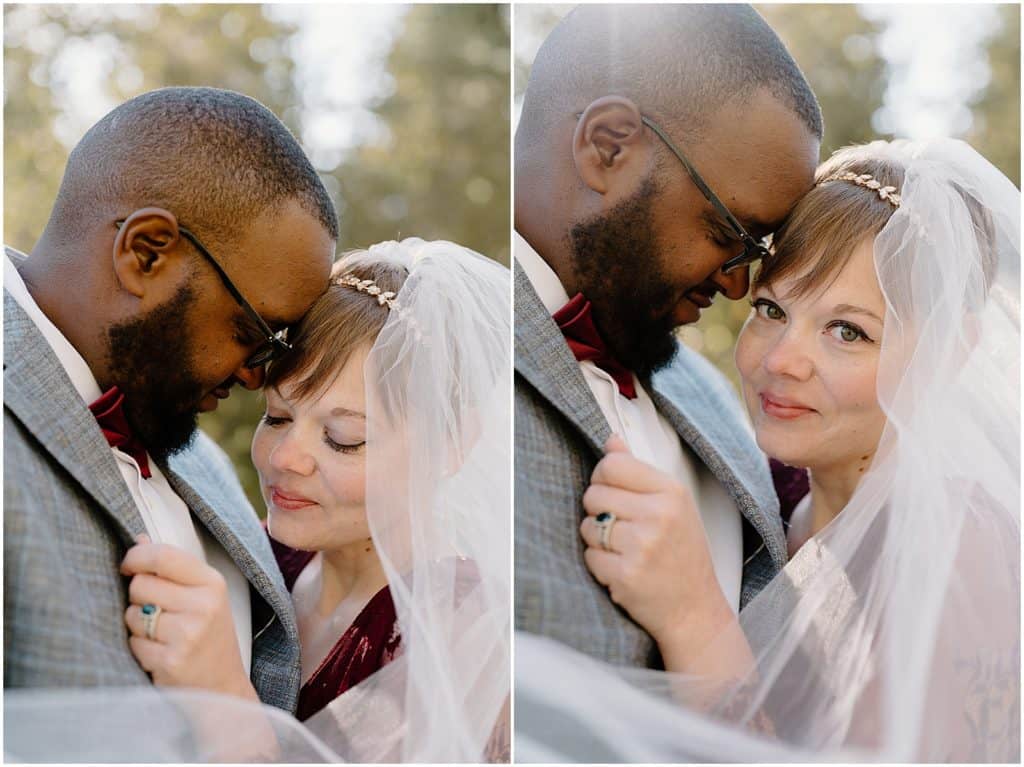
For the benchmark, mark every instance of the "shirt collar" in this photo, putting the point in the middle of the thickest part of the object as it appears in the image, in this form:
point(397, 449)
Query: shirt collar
point(541, 276)
point(76, 367)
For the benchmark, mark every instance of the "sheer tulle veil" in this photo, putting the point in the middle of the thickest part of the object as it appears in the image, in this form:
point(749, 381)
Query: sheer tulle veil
point(438, 386)
point(894, 634)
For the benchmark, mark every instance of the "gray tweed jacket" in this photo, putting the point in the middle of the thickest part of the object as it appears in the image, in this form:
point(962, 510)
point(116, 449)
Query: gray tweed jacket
point(559, 433)
point(69, 518)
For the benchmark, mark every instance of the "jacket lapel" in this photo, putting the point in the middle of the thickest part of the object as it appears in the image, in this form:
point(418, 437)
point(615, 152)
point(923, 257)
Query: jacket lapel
point(707, 417)
point(38, 392)
point(246, 544)
point(543, 358)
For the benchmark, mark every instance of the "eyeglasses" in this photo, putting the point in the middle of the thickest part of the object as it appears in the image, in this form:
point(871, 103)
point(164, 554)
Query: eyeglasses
point(274, 344)
point(752, 249)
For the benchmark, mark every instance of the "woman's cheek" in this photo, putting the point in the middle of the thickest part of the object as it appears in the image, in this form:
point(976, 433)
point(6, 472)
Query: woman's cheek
point(346, 479)
point(259, 451)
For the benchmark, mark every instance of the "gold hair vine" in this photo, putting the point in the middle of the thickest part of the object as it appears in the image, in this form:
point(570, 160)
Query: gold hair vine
point(384, 297)
point(887, 193)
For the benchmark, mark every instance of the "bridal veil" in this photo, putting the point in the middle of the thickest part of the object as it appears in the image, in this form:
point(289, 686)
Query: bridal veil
point(894, 634)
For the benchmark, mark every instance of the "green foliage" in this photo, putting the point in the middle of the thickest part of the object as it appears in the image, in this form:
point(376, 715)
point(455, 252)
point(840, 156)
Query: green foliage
point(996, 111)
point(444, 169)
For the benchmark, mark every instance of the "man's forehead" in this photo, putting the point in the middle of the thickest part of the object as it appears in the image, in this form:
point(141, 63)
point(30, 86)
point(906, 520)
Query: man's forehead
point(759, 158)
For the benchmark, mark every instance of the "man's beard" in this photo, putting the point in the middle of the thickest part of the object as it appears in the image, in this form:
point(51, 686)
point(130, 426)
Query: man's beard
point(615, 258)
point(150, 361)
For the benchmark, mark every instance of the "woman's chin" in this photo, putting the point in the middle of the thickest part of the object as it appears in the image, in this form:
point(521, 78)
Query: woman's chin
point(290, 535)
point(783, 451)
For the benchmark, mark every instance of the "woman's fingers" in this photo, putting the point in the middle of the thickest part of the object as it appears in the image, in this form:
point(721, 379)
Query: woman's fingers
point(620, 539)
point(604, 565)
point(150, 655)
point(152, 589)
point(168, 562)
point(622, 503)
point(164, 631)
point(621, 469)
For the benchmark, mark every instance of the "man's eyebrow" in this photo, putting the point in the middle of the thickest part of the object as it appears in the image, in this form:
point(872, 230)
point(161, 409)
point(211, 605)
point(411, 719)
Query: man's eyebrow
point(344, 412)
point(851, 309)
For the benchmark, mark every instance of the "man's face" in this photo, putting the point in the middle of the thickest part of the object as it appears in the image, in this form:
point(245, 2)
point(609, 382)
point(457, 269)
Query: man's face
point(184, 356)
point(652, 261)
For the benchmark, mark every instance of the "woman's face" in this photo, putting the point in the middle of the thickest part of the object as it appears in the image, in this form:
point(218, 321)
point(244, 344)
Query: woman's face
point(311, 459)
point(808, 367)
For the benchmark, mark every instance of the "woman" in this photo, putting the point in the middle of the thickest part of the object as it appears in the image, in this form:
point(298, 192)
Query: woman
point(383, 458)
point(882, 354)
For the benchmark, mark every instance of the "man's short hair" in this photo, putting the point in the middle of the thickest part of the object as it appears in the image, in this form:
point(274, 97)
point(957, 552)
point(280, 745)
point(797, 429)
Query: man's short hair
point(678, 62)
point(214, 158)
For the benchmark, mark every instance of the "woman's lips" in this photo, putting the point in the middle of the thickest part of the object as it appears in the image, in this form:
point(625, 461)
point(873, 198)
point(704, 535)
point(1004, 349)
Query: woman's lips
point(289, 502)
point(780, 407)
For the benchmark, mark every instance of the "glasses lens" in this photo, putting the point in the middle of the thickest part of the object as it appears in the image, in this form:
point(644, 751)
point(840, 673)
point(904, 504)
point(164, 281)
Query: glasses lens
point(262, 356)
point(753, 252)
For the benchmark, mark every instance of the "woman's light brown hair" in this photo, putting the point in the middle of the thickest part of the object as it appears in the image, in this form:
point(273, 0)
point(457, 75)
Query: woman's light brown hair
point(830, 221)
point(340, 321)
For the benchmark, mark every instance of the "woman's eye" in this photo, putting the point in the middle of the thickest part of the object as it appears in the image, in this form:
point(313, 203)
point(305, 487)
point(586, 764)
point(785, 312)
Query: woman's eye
point(270, 420)
point(341, 447)
point(847, 333)
point(768, 310)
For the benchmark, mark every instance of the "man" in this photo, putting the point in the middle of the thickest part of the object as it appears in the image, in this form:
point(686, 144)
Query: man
point(617, 244)
point(189, 230)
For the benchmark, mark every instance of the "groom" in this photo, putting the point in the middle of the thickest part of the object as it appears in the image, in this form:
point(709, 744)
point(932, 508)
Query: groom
point(189, 230)
point(616, 245)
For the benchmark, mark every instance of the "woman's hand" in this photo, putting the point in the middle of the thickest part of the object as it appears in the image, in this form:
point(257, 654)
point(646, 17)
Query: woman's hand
point(194, 644)
point(658, 566)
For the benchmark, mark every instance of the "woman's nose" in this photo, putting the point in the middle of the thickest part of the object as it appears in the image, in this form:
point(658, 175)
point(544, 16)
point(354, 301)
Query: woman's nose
point(789, 356)
point(290, 454)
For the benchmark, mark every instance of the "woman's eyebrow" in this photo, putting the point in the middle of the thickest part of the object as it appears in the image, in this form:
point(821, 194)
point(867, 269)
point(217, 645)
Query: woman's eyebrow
point(344, 412)
point(851, 309)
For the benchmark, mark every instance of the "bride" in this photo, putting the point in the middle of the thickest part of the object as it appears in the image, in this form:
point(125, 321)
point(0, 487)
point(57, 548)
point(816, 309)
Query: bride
point(384, 461)
point(882, 354)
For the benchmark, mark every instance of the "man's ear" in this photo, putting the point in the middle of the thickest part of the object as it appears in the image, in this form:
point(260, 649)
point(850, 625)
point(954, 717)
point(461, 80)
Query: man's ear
point(143, 248)
point(609, 136)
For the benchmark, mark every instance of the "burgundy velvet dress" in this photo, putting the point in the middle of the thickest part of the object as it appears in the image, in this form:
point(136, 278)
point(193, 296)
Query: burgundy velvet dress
point(791, 485)
point(370, 643)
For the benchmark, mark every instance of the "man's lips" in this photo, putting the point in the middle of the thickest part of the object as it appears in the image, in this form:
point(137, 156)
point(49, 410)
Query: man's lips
point(289, 500)
point(783, 407)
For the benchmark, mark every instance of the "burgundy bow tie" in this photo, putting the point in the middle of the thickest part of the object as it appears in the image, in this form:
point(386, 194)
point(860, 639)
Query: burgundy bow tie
point(577, 325)
point(109, 412)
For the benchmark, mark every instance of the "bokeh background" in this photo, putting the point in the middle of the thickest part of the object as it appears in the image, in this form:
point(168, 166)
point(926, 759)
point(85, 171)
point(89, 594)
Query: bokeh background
point(403, 109)
point(879, 71)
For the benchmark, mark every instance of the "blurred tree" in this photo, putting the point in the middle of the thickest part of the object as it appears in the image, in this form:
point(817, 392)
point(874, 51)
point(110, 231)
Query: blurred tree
point(139, 48)
point(442, 172)
point(446, 170)
point(996, 110)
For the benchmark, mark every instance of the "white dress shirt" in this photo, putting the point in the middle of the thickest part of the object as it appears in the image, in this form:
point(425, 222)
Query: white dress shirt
point(166, 517)
point(652, 439)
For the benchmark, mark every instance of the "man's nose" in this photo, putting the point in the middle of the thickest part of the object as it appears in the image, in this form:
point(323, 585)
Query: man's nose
point(735, 284)
point(250, 378)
